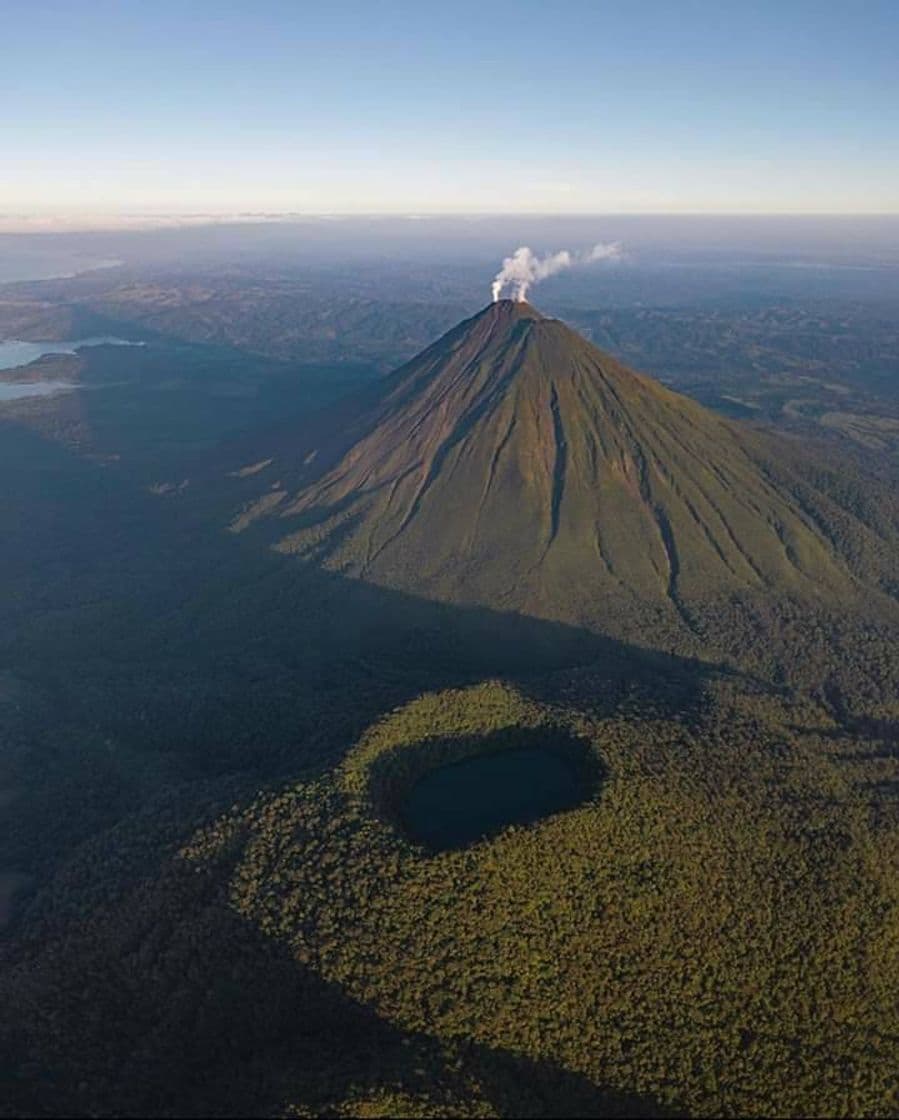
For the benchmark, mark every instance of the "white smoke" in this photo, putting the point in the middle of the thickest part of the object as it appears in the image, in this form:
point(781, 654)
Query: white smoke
point(525, 268)
point(603, 251)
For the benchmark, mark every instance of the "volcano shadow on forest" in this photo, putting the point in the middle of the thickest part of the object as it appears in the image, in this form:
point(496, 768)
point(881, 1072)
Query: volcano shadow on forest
point(235, 1026)
point(169, 649)
point(164, 624)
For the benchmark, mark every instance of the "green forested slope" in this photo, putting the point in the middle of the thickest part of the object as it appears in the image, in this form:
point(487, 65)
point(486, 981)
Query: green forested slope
point(713, 933)
point(514, 465)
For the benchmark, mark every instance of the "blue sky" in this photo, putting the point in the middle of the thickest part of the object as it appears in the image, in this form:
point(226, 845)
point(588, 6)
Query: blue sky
point(563, 107)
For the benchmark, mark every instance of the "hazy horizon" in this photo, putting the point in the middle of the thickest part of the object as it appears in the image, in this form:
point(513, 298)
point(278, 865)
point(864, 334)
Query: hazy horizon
point(64, 223)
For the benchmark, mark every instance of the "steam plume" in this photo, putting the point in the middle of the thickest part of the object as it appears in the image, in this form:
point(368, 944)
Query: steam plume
point(603, 251)
point(525, 268)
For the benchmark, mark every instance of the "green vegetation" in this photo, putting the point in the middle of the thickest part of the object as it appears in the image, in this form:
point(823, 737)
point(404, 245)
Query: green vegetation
point(788, 363)
point(217, 908)
point(716, 933)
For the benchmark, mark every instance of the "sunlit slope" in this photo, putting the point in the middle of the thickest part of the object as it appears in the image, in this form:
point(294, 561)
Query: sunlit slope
point(513, 463)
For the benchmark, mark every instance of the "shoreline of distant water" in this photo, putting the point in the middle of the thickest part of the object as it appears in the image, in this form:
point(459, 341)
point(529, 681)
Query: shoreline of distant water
point(31, 268)
point(16, 354)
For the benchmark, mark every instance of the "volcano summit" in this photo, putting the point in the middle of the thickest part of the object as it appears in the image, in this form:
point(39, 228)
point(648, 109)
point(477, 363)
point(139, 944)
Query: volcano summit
point(515, 465)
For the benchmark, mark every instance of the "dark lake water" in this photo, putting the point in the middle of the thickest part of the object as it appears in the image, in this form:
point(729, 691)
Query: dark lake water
point(455, 805)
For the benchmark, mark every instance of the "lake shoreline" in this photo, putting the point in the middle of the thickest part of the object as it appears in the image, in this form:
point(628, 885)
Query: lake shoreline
point(67, 269)
point(48, 369)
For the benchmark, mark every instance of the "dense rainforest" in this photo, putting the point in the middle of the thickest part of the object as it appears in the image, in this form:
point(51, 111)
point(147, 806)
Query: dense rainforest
point(215, 903)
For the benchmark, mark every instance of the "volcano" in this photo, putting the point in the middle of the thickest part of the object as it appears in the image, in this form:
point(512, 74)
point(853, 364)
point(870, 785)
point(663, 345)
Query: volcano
point(515, 465)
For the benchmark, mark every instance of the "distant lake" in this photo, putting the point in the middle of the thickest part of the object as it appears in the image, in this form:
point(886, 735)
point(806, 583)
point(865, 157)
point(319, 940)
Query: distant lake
point(20, 262)
point(14, 353)
point(33, 389)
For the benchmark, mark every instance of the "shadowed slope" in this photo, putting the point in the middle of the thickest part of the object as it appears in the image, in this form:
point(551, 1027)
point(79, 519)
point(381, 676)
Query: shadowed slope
point(513, 463)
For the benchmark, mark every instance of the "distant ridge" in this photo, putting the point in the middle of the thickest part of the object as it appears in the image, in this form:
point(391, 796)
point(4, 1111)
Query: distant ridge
point(514, 464)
